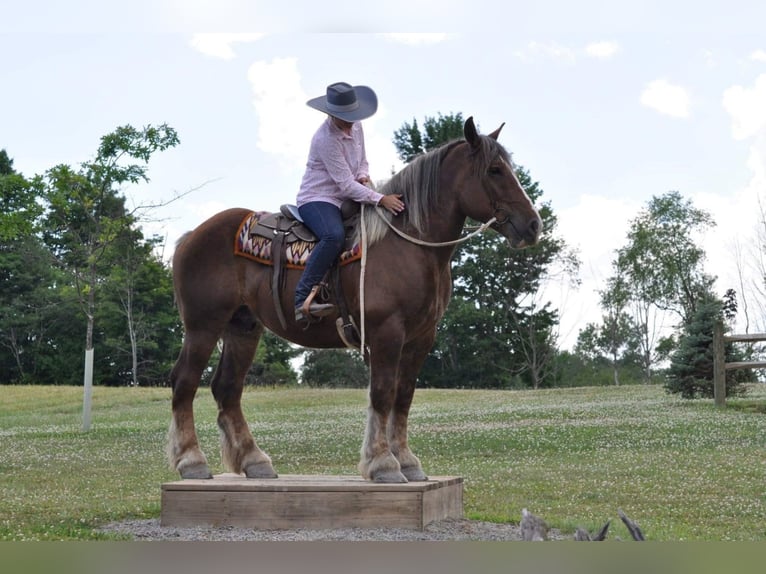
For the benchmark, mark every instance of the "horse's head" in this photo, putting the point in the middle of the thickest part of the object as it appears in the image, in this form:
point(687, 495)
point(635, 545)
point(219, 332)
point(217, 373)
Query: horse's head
point(493, 190)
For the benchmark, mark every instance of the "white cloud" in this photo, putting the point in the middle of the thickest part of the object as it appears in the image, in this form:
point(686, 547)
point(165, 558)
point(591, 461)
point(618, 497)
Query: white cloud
point(602, 50)
point(285, 123)
point(758, 56)
point(221, 45)
point(417, 39)
point(666, 98)
point(596, 246)
point(741, 215)
point(553, 51)
point(747, 108)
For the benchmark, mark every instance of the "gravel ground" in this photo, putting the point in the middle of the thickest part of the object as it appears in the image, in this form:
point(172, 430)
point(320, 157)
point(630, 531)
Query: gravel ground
point(453, 529)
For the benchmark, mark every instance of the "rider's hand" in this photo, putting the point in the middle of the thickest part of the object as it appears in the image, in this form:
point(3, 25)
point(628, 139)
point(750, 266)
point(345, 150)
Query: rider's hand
point(392, 203)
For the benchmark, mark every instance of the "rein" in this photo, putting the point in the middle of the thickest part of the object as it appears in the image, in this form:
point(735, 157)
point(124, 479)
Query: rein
point(483, 227)
point(411, 239)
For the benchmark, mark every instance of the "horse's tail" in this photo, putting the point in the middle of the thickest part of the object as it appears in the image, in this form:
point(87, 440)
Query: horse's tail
point(179, 242)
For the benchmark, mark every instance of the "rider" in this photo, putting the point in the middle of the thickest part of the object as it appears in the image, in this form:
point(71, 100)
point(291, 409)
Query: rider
point(336, 170)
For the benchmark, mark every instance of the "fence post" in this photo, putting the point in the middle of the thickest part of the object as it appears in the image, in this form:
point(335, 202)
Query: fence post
point(719, 366)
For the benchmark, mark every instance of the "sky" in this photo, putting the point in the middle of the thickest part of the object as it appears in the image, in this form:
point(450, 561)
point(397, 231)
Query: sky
point(606, 104)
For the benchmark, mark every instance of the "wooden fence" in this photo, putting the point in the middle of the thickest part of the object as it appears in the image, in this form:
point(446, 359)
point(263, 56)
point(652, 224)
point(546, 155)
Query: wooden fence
point(720, 366)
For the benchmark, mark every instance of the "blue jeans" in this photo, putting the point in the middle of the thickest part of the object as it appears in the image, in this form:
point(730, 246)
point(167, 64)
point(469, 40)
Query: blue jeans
point(325, 221)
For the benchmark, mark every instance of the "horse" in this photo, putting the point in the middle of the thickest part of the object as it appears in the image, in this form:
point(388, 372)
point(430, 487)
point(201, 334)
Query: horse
point(221, 296)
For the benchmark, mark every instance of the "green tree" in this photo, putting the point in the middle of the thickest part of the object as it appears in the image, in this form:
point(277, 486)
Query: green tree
point(410, 141)
point(86, 215)
point(27, 299)
point(141, 327)
point(661, 267)
point(273, 363)
point(19, 208)
point(616, 338)
point(663, 255)
point(334, 368)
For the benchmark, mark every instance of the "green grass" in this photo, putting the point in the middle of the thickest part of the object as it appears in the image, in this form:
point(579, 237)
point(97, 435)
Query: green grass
point(683, 470)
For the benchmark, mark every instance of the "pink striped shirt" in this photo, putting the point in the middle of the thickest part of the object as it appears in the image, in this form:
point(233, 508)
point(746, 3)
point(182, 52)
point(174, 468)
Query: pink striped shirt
point(335, 162)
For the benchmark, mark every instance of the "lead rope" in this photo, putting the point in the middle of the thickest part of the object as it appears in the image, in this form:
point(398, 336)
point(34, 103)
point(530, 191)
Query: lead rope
point(409, 238)
point(361, 279)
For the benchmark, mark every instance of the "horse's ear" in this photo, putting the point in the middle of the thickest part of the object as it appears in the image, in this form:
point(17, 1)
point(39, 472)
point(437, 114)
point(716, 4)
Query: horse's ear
point(471, 135)
point(496, 133)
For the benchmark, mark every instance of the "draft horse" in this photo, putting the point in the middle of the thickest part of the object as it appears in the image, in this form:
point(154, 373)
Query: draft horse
point(221, 296)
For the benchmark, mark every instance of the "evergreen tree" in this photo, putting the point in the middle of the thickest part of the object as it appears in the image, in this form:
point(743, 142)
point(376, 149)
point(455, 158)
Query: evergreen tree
point(690, 373)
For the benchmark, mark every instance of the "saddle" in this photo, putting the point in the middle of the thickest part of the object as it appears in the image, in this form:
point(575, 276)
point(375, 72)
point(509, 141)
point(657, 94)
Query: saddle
point(286, 227)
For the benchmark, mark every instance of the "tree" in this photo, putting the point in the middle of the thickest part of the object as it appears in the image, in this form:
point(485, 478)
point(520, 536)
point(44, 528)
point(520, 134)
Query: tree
point(86, 214)
point(25, 278)
point(663, 259)
point(410, 142)
point(272, 365)
point(140, 324)
point(661, 269)
point(617, 338)
point(334, 368)
point(19, 208)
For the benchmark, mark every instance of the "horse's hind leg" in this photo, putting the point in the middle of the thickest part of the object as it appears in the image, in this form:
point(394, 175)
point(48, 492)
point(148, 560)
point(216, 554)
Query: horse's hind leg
point(184, 453)
point(239, 451)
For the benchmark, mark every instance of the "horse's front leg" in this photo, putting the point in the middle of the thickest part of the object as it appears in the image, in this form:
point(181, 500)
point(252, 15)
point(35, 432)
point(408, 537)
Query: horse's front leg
point(413, 356)
point(377, 461)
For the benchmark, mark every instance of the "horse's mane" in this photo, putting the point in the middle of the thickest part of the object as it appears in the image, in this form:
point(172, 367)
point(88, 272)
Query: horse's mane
point(418, 183)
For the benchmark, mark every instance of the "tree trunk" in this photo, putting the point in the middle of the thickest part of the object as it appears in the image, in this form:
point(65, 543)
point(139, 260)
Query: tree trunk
point(90, 311)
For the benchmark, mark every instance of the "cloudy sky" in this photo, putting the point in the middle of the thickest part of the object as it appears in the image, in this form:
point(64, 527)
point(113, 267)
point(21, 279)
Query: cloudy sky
point(606, 103)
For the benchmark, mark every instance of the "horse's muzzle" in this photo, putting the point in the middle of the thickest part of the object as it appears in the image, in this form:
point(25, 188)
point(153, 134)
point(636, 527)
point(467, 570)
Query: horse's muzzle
point(519, 232)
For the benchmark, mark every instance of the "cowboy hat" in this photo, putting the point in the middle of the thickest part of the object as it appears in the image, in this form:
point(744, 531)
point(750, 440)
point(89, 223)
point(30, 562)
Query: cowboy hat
point(346, 102)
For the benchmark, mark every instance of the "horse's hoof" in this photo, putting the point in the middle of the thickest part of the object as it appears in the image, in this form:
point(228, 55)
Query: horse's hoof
point(414, 474)
point(260, 470)
point(390, 477)
point(195, 471)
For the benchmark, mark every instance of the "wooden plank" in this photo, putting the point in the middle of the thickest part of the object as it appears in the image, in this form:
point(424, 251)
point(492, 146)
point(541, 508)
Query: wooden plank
point(746, 365)
point(317, 502)
point(308, 483)
point(444, 503)
point(745, 337)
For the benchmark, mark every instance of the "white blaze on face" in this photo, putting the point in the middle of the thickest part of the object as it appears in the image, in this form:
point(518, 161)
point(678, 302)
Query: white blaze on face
point(524, 191)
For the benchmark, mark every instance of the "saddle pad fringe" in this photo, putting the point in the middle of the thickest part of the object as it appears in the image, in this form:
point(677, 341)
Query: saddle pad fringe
point(296, 254)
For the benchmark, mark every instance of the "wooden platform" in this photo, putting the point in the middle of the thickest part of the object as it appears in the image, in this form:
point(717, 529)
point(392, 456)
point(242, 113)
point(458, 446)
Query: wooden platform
point(313, 502)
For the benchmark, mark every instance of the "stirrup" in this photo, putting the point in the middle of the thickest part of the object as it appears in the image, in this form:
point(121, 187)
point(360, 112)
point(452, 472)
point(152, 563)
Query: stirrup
point(310, 310)
point(315, 311)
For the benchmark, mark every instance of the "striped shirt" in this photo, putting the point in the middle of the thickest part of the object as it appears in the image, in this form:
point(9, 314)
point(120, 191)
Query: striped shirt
point(336, 160)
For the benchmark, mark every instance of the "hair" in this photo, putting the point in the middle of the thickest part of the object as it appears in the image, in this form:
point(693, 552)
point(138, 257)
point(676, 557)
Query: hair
point(418, 183)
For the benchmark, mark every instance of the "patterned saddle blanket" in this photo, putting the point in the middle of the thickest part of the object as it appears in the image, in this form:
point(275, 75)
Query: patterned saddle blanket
point(254, 241)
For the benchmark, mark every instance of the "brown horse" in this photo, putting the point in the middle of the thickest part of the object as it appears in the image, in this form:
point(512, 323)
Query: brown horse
point(408, 286)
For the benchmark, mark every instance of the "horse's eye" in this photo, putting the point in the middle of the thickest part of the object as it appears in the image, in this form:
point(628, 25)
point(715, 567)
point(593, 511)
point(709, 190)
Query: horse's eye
point(495, 170)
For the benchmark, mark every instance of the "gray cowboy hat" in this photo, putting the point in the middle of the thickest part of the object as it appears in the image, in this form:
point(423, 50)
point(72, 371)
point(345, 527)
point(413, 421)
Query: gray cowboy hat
point(346, 102)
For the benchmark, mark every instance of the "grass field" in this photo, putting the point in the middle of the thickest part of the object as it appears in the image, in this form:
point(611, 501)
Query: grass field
point(682, 469)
